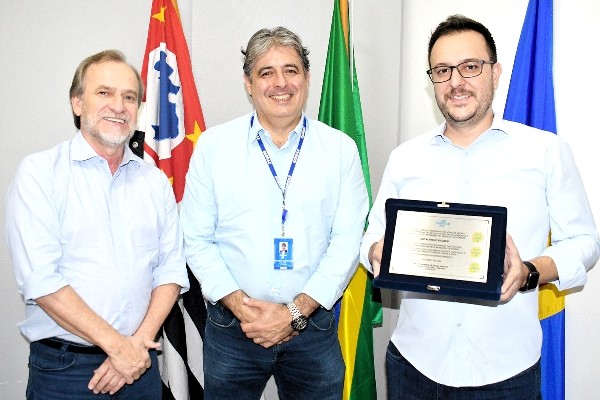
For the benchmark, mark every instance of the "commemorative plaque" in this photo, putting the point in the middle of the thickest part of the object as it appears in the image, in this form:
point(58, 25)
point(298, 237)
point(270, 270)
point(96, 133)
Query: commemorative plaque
point(443, 248)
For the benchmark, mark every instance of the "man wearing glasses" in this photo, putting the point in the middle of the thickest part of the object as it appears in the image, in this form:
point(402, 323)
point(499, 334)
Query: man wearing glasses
point(457, 348)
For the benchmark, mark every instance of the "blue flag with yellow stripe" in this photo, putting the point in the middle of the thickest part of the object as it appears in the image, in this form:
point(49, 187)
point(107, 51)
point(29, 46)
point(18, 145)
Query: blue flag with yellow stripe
point(531, 101)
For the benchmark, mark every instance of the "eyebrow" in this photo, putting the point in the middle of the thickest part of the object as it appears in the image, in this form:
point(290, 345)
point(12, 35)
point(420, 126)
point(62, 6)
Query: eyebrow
point(460, 62)
point(104, 87)
point(113, 89)
point(131, 91)
point(272, 67)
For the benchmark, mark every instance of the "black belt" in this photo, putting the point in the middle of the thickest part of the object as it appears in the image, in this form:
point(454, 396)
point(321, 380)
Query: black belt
point(71, 347)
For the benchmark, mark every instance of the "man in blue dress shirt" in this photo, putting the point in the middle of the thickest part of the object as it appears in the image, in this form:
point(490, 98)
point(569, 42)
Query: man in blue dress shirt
point(448, 347)
point(271, 177)
point(97, 247)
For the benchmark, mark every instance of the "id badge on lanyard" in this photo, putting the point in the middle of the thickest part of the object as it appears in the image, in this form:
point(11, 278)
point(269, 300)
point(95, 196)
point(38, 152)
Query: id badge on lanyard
point(283, 257)
point(283, 247)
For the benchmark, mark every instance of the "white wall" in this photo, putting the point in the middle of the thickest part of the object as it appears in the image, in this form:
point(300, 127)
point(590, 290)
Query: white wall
point(42, 42)
point(576, 29)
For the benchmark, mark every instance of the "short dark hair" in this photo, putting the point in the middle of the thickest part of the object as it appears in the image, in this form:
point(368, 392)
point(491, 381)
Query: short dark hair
point(78, 85)
point(262, 41)
point(460, 23)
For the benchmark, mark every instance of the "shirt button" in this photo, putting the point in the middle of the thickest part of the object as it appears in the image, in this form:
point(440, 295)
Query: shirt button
point(458, 324)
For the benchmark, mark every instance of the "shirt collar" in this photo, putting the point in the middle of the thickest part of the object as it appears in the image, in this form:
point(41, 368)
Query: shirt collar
point(82, 151)
point(498, 127)
point(256, 128)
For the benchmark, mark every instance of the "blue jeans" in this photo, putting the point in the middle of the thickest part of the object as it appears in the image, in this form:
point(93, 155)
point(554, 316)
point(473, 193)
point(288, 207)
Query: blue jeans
point(310, 366)
point(405, 382)
point(61, 374)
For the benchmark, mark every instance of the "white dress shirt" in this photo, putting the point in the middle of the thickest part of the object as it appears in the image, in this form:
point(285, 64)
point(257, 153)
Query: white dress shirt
point(461, 342)
point(231, 212)
point(112, 238)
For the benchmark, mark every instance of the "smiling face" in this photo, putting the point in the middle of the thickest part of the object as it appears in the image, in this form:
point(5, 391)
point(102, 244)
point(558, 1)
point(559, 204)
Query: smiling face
point(466, 103)
point(278, 86)
point(109, 104)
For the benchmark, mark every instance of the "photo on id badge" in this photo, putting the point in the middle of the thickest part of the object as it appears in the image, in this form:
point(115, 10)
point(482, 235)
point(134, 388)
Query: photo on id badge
point(283, 251)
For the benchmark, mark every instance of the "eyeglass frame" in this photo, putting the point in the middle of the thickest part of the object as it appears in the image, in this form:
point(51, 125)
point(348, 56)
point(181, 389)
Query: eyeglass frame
point(452, 67)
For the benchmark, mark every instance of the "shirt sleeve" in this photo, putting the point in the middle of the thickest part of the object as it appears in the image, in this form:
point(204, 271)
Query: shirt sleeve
point(32, 229)
point(575, 245)
point(171, 263)
point(376, 221)
point(199, 220)
point(339, 262)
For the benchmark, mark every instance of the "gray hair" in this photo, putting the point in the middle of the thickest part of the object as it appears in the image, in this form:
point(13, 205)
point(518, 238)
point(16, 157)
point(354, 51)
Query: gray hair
point(262, 41)
point(78, 84)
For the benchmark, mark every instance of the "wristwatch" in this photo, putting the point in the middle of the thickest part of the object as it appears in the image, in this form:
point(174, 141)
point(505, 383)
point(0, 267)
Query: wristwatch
point(299, 321)
point(532, 278)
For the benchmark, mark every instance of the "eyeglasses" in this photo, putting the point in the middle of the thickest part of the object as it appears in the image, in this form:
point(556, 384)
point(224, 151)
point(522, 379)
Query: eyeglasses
point(467, 69)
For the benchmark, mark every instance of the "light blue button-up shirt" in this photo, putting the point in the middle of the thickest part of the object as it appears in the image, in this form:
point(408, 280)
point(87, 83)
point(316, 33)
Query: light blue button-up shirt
point(113, 239)
point(231, 212)
point(461, 342)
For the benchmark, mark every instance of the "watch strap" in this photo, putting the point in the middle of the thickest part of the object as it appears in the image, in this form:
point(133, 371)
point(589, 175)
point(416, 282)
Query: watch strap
point(532, 277)
point(294, 310)
point(299, 321)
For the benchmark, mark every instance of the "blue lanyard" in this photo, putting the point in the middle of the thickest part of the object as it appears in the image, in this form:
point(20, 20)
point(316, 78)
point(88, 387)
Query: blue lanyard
point(290, 173)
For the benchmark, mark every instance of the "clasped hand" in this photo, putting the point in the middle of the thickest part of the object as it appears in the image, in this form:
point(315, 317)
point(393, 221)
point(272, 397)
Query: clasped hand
point(124, 365)
point(266, 323)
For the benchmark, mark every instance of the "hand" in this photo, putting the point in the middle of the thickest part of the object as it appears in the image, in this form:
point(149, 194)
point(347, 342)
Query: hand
point(235, 303)
point(515, 272)
point(247, 313)
point(376, 253)
point(272, 327)
point(131, 358)
point(106, 379)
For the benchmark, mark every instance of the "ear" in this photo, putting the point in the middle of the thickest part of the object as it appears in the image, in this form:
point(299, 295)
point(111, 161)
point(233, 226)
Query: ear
point(76, 105)
point(496, 72)
point(248, 84)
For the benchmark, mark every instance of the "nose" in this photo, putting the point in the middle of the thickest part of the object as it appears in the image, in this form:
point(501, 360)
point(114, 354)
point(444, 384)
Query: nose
point(456, 78)
point(280, 80)
point(117, 103)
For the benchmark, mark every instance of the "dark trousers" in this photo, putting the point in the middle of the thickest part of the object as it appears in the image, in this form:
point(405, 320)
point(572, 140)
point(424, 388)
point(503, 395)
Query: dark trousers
point(405, 382)
point(308, 367)
point(64, 373)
